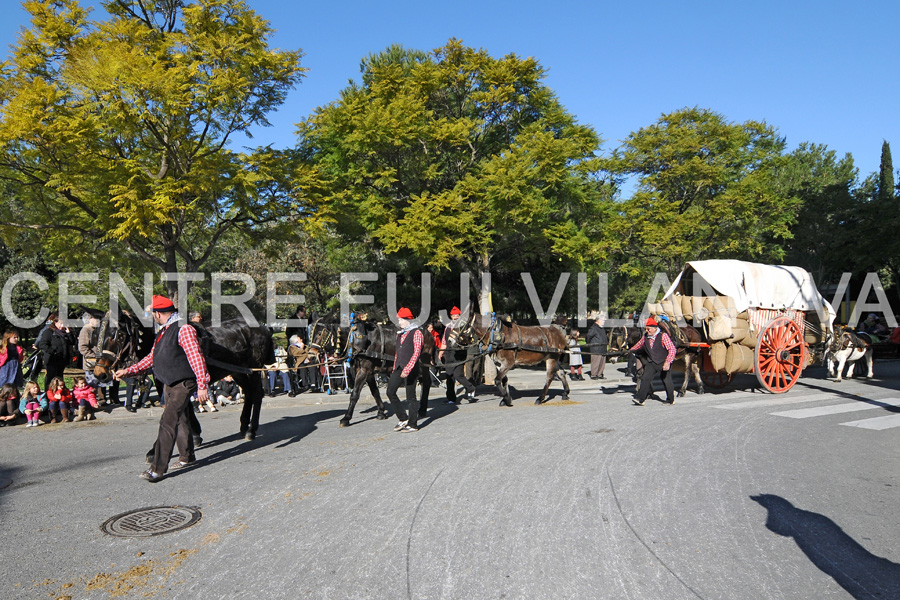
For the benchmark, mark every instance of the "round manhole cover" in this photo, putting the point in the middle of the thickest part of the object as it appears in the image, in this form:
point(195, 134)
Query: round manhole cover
point(147, 522)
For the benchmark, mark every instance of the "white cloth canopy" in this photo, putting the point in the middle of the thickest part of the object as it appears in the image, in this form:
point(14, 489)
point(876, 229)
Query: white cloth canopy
point(754, 285)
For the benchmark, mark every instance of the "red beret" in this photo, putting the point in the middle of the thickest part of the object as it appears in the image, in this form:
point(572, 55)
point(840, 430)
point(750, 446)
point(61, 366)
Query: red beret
point(455, 311)
point(404, 313)
point(162, 304)
point(650, 322)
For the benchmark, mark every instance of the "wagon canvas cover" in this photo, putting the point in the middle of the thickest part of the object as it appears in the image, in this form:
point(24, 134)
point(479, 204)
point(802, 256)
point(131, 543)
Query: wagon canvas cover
point(755, 286)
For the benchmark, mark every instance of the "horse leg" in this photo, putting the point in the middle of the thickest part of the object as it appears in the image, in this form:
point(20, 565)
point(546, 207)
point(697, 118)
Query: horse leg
point(361, 376)
point(695, 369)
point(373, 387)
point(870, 362)
point(425, 381)
point(839, 367)
point(253, 389)
point(502, 384)
point(687, 376)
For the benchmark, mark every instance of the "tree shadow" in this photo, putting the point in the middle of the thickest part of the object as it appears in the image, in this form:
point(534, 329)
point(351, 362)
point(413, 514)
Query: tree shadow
point(861, 573)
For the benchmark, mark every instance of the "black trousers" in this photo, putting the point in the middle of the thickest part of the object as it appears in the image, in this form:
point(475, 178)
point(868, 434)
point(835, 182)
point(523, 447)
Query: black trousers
point(174, 426)
point(456, 373)
point(651, 370)
point(412, 400)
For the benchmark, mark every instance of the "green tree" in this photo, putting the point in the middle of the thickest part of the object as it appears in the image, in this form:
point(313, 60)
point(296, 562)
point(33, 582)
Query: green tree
point(115, 134)
point(454, 158)
point(886, 175)
point(705, 188)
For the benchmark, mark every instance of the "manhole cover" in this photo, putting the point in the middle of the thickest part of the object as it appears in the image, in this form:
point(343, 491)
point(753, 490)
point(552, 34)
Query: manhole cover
point(147, 522)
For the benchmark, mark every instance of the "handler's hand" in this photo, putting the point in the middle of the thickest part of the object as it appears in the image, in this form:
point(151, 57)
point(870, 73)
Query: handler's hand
point(202, 395)
point(666, 366)
point(119, 374)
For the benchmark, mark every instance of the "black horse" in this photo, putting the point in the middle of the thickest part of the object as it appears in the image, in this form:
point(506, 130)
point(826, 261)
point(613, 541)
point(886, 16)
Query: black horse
point(371, 348)
point(234, 348)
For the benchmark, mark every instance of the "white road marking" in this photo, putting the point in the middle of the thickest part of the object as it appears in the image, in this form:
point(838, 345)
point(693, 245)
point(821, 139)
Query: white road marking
point(877, 423)
point(836, 409)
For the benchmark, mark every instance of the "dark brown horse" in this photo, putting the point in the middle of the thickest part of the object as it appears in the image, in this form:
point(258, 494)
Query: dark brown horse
point(510, 345)
point(687, 358)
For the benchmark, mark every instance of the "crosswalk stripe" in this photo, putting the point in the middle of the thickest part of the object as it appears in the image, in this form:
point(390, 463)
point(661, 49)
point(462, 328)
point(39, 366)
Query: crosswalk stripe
point(836, 409)
point(771, 401)
point(876, 423)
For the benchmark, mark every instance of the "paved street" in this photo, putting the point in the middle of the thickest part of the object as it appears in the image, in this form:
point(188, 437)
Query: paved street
point(734, 494)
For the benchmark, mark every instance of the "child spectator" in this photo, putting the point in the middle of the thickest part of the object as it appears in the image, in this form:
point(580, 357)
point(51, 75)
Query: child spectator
point(12, 355)
point(575, 360)
point(32, 404)
point(227, 391)
point(59, 400)
point(87, 400)
point(9, 404)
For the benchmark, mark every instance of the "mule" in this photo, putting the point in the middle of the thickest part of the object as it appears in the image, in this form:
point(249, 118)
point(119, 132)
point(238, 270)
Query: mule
point(510, 345)
point(845, 346)
point(234, 348)
point(687, 358)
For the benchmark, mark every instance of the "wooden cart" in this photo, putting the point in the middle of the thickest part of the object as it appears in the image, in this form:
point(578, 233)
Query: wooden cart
point(787, 319)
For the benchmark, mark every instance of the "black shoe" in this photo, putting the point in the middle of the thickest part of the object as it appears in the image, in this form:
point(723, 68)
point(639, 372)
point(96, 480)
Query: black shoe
point(594, 377)
point(637, 402)
point(150, 476)
point(291, 394)
point(601, 377)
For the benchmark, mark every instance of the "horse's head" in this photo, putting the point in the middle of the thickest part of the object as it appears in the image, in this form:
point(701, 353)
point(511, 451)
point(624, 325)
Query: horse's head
point(837, 340)
point(325, 337)
point(462, 334)
point(117, 345)
point(358, 339)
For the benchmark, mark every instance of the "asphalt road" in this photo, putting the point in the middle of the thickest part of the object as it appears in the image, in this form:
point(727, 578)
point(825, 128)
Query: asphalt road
point(730, 495)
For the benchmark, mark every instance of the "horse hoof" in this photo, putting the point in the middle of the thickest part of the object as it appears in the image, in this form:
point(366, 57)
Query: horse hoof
point(681, 394)
point(566, 397)
point(345, 423)
point(538, 402)
point(378, 417)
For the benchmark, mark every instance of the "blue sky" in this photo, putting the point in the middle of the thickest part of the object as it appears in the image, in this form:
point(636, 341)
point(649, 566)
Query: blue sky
point(819, 71)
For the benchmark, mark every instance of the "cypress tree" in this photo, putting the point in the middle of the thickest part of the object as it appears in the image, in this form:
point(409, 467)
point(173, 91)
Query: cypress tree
point(886, 176)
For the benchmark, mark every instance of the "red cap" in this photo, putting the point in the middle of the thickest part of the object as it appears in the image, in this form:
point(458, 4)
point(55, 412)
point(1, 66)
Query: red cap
point(650, 322)
point(162, 304)
point(455, 311)
point(404, 313)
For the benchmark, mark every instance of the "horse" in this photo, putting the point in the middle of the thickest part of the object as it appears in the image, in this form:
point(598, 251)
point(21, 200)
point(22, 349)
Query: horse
point(846, 346)
point(370, 347)
point(687, 358)
point(510, 345)
point(234, 348)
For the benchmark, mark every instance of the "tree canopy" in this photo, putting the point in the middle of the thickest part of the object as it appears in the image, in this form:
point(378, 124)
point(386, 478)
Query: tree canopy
point(115, 135)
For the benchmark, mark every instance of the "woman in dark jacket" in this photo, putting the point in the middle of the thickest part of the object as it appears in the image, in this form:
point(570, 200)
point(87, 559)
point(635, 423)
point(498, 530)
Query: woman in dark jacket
point(55, 344)
point(597, 342)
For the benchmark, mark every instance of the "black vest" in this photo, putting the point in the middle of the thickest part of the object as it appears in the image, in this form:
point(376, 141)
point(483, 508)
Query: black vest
point(406, 349)
point(658, 351)
point(170, 363)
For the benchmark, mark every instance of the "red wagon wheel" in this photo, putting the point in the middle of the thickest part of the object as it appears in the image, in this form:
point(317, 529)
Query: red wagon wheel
point(780, 355)
point(710, 377)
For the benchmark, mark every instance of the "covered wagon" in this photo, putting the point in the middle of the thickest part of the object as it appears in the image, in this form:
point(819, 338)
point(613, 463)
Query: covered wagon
point(753, 318)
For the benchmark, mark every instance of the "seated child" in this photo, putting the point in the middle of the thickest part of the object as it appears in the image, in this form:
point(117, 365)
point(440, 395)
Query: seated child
point(9, 405)
point(32, 404)
point(227, 391)
point(59, 399)
point(87, 401)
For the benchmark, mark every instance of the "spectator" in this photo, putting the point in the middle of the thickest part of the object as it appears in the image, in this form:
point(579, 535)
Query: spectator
point(597, 341)
point(59, 400)
point(306, 375)
point(140, 384)
point(575, 360)
point(12, 355)
point(9, 404)
point(279, 367)
point(195, 317)
point(87, 401)
point(228, 392)
point(55, 343)
point(32, 404)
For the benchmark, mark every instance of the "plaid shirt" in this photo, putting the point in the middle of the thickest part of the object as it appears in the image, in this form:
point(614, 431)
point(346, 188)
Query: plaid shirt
point(187, 339)
point(667, 344)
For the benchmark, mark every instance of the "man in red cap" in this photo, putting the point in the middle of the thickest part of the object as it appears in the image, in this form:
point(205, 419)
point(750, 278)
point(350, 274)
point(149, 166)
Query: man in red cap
point(455, 363)
point(406, 371)
point(660, 352)
point(178, 363)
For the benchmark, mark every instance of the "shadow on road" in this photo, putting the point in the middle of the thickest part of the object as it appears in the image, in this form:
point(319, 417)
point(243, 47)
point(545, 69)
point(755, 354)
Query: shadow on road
point(861, 573)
